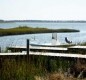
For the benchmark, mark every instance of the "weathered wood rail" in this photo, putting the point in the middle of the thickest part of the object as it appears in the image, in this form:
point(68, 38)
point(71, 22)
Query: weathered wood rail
point(37, 49)
point(46, 54)
point(73, 49)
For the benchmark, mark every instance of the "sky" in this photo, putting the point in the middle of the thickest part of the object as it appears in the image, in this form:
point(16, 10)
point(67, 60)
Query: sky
point(43, 9)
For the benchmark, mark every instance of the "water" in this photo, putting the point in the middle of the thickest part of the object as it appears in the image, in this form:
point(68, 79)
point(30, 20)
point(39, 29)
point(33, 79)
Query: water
point(20, 40)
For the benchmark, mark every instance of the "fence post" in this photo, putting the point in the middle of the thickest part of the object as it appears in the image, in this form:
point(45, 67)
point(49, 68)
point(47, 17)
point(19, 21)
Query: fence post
point(27, 58)
point(27, 47)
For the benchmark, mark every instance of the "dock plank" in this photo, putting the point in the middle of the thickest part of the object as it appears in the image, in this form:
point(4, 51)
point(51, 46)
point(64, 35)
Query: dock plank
point(46, 54)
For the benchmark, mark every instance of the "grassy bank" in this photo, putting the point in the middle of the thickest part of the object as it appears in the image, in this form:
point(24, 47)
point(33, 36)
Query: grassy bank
point(30, 30)
point(43, 67)
point(17, 68)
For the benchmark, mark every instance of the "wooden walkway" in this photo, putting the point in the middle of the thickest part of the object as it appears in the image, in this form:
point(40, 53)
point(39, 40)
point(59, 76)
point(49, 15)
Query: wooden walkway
point(37, 48)
point(72, 51)
point(46, 54)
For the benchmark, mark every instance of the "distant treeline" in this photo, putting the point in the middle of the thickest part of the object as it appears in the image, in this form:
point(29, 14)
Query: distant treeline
point(1, 20)
point(53, 21)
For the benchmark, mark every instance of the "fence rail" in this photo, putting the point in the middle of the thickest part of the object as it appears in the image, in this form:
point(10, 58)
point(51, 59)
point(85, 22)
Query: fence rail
point(46, 54)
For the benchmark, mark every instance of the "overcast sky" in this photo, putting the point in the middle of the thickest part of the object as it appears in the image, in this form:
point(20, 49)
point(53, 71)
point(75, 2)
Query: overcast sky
point(43, 9)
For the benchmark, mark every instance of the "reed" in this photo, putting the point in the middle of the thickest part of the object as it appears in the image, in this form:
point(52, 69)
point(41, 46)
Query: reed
point(29, 30)
point(17, 68)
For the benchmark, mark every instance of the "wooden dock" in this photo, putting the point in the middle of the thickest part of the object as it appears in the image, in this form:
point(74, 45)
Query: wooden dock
point(77, 49)
point(46, 54)
point(73, 51)
point(37, 48)
point(70, 49)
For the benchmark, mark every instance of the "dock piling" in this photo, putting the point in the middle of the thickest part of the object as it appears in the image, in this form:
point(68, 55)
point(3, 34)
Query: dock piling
point(27, 47)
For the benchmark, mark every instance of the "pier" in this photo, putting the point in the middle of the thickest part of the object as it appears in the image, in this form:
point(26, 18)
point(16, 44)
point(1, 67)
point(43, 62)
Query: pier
point(66, 55)
point(72, 51)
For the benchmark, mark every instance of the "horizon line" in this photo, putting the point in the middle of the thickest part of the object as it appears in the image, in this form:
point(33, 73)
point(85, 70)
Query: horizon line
point(37, 20)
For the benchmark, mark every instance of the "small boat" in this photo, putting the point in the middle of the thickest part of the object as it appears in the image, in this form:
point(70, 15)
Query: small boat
point(55, 42)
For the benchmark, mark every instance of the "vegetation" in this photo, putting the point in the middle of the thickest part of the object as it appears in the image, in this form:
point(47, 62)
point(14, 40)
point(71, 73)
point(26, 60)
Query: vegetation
point(1, 21)
point(29, 30)
point(35, 68)
point(13, 69)
point(82, 44)
point(47, 21)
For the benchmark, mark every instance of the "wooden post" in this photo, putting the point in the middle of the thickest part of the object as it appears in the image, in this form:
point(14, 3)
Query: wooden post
point(27, 59)
point(27, 47)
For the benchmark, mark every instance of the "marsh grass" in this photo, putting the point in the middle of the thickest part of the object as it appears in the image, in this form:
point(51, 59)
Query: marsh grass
point(82, 44)
point(17, 68)
point(29, 30)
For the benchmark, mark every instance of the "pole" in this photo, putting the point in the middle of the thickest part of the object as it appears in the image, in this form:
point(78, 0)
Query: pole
point(27, 47)
point(27, 59)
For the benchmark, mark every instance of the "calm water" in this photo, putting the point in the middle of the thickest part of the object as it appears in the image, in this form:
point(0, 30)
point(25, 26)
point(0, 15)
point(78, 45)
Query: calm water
point(43, 38)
